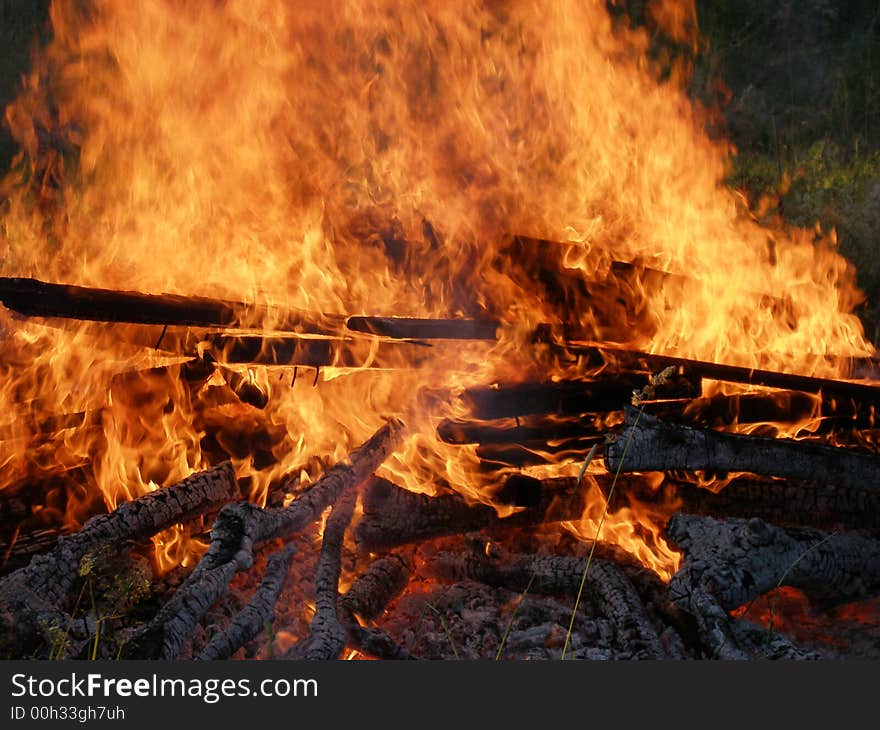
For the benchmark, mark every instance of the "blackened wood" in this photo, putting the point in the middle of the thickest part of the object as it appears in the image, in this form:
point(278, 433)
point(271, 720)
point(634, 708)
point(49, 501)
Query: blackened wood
point(606, 585)
point(41, 299)
point(33, 598)
point(35, 298)
point(737, 560)
point(394, 516)
point(783, 502)
point(637, 360)
point(327, 636)
point(241, 526)
point(384, 580)
point(257, 614)
point(649, 444)
point(569, 397)
point(425, 329)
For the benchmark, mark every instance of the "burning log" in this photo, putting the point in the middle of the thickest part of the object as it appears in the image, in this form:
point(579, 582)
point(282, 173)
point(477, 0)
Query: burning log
point(34, 298)
point(241, 526)
point(736, 560)
point(635, 360)
point(394, 516)
point(606, 585)
point(384, 580)
point(327, 637)
point(570, 397)
point(411, 328)
point(260, 610)
point(648, 444)
point(33, 598)
point(380, 583)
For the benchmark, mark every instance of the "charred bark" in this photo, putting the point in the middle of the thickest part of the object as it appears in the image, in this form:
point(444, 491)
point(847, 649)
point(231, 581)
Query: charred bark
point(569, 397)
point(384, 580)
point(238, 529)
point(394, 516)
point(727, 638)
point(368, 596)
point(35, 298)
point(33, 598)
point(648, 444)
point(648, 362)
point(327, 637)
point(737, 560)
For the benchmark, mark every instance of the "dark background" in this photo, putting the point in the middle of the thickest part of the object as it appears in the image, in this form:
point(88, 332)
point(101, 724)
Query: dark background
point(797, 84)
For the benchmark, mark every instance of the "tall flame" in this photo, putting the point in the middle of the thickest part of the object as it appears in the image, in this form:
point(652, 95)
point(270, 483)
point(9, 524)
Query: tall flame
point(372, 157)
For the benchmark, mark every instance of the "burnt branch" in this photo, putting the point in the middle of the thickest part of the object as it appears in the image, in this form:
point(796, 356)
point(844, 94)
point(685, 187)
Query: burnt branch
point(648, 444)
point(35, 298)
point(327, 637)
point(33, 598)
point(737, 560)
point(238, 529)
point(652, 363)
point(259, 612)
point(367, 597)
point(394, 516)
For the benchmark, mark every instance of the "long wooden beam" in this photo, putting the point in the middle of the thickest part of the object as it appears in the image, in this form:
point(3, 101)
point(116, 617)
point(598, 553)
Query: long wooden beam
point(35, 298)
point(648, 444)
point(651, 362)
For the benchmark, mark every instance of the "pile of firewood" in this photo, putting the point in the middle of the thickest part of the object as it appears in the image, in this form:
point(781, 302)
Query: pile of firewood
point(440, 577)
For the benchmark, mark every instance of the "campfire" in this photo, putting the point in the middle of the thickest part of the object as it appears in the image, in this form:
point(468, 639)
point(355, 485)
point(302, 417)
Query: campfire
point(403, 330)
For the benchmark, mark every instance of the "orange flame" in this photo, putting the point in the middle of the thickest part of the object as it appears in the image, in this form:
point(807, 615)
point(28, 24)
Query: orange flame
point(373, 157)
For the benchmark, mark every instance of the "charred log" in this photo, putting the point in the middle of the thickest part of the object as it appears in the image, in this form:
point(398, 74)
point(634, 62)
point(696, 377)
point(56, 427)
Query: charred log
point(649, 444)
point(394, 516)
point(33, 598)
point(259, 611)
point(35, 298)
point(238, 529)
point(425, 329)
point(738, 560)
point(515, 432)
point(368, 596)
point(327, 637)
point(724, 637)
point(380, 583)
point(569, 397)
point(635, 360)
